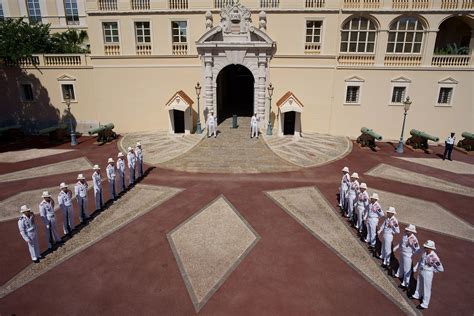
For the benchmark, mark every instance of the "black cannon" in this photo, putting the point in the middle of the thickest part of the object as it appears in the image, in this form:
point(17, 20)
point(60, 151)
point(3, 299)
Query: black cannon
point(419, 139)
point(468, 142)
point(57, 133)
point(11, 132)
point(104, 133)
point(368, 137)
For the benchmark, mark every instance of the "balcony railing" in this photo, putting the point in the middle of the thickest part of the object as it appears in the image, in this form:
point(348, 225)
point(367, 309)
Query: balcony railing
point(140, 4)
point(402, 60)
point(180, 49)
point(63, 60)
point(112, 49)
point(411, 4)
point(178, 4)
point(356, 60)
point(362, 4)
point(143, 49)
point(315, 3)
point(268, 4)
point(219, 4)
point(312, 48)
point(451, 60)
point(107, 5)
point(468, 4)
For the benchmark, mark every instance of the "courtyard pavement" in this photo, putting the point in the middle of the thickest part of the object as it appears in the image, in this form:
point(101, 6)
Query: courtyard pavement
point(253, 240)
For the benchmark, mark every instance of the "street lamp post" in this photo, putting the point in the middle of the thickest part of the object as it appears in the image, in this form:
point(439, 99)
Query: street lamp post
point(270, 93)
point(67, 99)
point(406, 107)
point(198, 123)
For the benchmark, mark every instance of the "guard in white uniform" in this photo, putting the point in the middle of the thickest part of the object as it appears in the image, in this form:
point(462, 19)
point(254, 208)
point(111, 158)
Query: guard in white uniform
point(121, 171)
point(28, 230)
point(408, 247)
point(65, 203)
point(211, 125)
point(139, 154)
point(352, 195)
point(345, 182)
point(80, 190)
point(362, 206)
point(99, 200)
point(254, 126)
point(46, 208)
point(389, 228)
point(428, 264)
point(132, 161)
point(111, 178)
point(372, 219)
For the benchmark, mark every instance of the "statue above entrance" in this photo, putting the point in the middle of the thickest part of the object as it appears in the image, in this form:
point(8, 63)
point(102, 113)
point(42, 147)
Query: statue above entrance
point(235, 19)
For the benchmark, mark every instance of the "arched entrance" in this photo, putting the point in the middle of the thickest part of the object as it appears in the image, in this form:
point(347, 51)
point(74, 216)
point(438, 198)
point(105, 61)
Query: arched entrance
point(235, 92)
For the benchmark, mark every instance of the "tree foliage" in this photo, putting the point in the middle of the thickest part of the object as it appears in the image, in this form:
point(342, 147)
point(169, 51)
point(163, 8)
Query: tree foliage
point(19, 39)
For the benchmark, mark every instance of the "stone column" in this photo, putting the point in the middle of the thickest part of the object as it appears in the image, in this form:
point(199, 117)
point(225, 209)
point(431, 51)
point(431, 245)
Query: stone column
point(260, 90)
point(381, 48)
point(430, 41)
point(208, 89)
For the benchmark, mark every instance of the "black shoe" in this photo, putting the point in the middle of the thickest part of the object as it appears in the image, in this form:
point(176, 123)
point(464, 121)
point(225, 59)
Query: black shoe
point(420, 307)
point(36, 261)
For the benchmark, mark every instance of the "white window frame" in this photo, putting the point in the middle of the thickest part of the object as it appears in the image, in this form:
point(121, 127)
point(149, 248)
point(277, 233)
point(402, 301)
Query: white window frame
point(358, 31)
point(22, 92)
point(187, 30)
point(399, 82)
point(397, 32)
point(320, 30)
point(39, 8)
point(103, 31)
point(78, 22)
point(353, 81)
point(135, 31)
point(2, 16)
point(66, 79)
point(446, 83)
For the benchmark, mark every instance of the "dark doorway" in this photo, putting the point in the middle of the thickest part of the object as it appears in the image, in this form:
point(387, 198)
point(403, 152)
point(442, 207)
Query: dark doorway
point(235, 88)
point(289, 121)
point(178, 117)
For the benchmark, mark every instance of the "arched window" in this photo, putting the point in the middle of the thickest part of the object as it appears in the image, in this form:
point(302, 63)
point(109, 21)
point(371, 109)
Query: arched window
point(405, 36)
point(358, 36)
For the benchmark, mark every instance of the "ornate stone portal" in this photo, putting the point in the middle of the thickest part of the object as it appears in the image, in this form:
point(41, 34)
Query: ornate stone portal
point(236, 41)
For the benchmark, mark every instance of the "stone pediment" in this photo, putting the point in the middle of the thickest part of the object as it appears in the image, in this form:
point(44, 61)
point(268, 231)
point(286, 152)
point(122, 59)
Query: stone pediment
point(179, 101)
point(448, 80)
point(401, 80)
point(66, 78)
point(289, 102)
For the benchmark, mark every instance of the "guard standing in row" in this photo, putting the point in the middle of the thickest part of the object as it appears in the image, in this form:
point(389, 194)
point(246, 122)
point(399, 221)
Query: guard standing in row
point(121, 171)
point(139, 154)
point(408, 247)
point(428, 264)
point(254, 126)
point(29, 232)
point(345, 181)
point(97, 181)
point(46, 208)
point(65, 203)
point(372, 219)
point(389, 228)
point(352, 195)
point(132, 160)
point(362, 206)
point(111, 178)
point(80, 189)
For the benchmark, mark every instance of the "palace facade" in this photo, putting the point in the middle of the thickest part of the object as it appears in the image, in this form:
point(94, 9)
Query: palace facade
point(335, 66)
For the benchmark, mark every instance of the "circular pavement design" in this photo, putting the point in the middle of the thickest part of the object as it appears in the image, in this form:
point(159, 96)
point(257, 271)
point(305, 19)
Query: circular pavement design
point(233, 151)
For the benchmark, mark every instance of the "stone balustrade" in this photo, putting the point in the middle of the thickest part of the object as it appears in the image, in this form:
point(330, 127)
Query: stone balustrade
point(219, 4)
point(312, 48)
point(178, 4)
point(314, 3)
point(362, 4)
point(403, 60)
point(107, 5)
point(451, 61)
point(140, 5)
point(356, 60)
point(112, 49)
point(143, 49)
point(180, 49)
point(63, 60)
point(269, 4)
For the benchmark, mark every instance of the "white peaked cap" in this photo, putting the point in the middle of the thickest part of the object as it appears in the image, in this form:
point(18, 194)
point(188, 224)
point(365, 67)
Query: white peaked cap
point(138, 144)
point(24, 209)
point(375, 196)
point(80, 176)
point(363, 185)
point(63, 185)
point(110, 160)
point(129, 148)
point(45, 194)
point(345, 169)
point(120, 154)
point(355, 175)
point(392, 210)
point(96, 167)
point(430, 244)
point(411, 228)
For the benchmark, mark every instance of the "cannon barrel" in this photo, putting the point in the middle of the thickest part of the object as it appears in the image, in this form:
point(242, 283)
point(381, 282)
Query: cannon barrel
point(50, 129)
point(368, 131)
point(101, 128)
point(418, 133)
point(468, 135)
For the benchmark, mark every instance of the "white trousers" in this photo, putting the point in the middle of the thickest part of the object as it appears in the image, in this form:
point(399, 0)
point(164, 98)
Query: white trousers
point(350, 203)
point(211, 131)
point(99, 201)
point(254, 131)
point(82, 202)
point(342, 195)
point(33, 246)
point(122, 180)
point(404, 269)
point(372, 230)
point(51, 233)
point(132, 175)
point(112, 192)
point(68, 220)
point(140, 168)
point(423, 287)
point(387, 247)
point(360, 212)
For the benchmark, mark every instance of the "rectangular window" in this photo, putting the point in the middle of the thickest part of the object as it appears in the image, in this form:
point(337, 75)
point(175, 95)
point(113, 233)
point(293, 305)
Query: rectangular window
point(2, 15)
point(110, 32)
point(398, 94)
point(313, 31)
point(27, 92)
point(34, 11)
point(352, 94)
point(68, 90)
point(179, 30)
point(72, 14)
point(142, 32)
point(445, 95)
